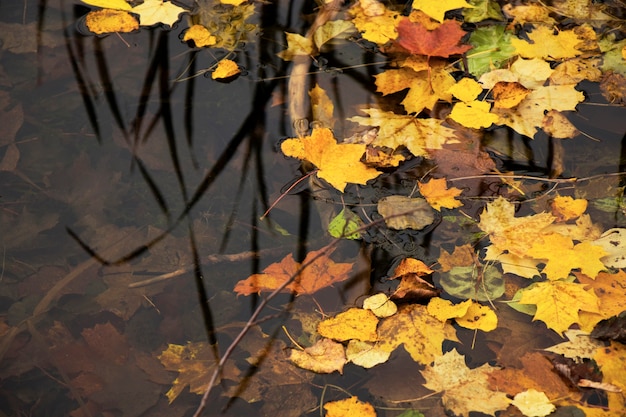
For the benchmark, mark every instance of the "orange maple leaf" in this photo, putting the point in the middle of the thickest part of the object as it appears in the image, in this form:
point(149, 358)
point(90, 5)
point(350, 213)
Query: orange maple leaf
point(442, 41)
point(317, 271)
point(438, 195)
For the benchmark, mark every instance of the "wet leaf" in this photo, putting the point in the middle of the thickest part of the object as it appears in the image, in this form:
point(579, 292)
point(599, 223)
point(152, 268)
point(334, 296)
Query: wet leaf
point(613, 241)
point(346, 225)
point(611, 292)
point(436, 9)
point(558, 303)
point(473, 114)
point(324, 357)
point(562, 256)
point(225, 69)
point(438, 195)
point(375, 22)
point(483, 10)
point(507, 95)
point(109, 4)
point(402, 212)
point(491, 49)
point(297, 45)
point(466, 282)
point(418, 135)
point(108, 21)
point(507, 232)
point(533, 403)
point(411, 266)
point(545, 44)
point(380, 305)
point(319, 272)
point(464, 390)
point(333, 29)
point(152, 12)
point(322, 107)
point(355, 323)
point(339, 164)
point(443, 41)
point(468, 314)
point(421, 334)
point(348, 408)
point(366, 354)
point(579, 346)
point(200, 36)
point(195, 363)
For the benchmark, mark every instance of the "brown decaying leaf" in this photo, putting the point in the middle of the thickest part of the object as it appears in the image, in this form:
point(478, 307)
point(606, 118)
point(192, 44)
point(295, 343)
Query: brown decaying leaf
point(442, 41)
point(319, 272)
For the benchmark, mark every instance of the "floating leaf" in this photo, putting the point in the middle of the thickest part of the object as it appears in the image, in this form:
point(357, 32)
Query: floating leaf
point(465, 283)
point(402, 212)
point(366, 354)
point(544, 44)
point(152, 12)
point(109, 20)
point(109, 4)
point(319, 272)
point(225, 69)
point(345, 224)
point(297, 45)
point(355, 323)
point(380, 305)
point(200, 36)
point(324, 357)
point(437, 9)
point(442, 41)
point(438, 195)
point(348, 408)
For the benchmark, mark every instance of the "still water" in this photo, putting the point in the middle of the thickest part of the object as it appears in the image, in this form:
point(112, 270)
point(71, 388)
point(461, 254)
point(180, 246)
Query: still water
point(121, 162)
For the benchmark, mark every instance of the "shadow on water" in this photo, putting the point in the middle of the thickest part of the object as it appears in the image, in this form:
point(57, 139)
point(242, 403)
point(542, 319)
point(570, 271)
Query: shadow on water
point(162, 177)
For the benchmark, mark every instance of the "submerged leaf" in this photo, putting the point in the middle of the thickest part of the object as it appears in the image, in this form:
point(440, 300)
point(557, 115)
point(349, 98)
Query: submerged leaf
point(402, 212)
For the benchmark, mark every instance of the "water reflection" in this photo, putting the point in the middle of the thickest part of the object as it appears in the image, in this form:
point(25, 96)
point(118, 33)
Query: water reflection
point(133, 190)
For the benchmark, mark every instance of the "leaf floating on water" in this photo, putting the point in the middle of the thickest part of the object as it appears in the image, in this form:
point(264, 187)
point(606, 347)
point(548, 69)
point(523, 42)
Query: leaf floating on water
point(348, 408)
point(345, 225)
point(200, 36)
point(109, 21)
point(402, 212)
point(109, 4)
point(324, 357)
point(152, 12)
point(225, 69)
point(319, 272)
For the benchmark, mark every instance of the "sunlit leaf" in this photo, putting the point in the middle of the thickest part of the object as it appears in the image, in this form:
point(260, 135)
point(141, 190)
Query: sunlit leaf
point(152, 12)
point(533, 403)
point(546, 45)
point(355, 323)
point(109, 4)
point(443, 41)
point(200, 35)
point(380, 305)
point(438, 195)
point(225, 68)
point(345, 224)
point(109, 20)
point(437, 9)
point(324, 357)
point(334, 29)
point(375, 22)
point(348, 408)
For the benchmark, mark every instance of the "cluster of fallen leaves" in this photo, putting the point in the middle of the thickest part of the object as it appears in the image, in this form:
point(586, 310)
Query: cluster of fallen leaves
point(554, 264)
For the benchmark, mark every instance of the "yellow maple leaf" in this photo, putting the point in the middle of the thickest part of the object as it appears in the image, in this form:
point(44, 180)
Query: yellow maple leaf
point(507, 95)
point(225, 69)
point(438, 195)
point(349, 407)
point(437, 9)
point(152, 12)
point(375, 22)
point(464, 390)
point(200, 36)
point(339, 164)
point(562, 256)
point(355, 323)
point(425, 87)
point(473, 114)
point(417, 135)
point(421, 334)
point(468, 314)
point(297, 45)
point(466, 89)
point(109, 20)
point(546, 45)
point(510, 233)
point(558, 303)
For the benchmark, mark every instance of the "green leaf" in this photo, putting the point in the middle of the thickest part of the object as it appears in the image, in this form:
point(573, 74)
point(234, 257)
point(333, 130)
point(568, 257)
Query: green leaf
point(109, 4)
point(411, 413)
point(482, 10)
point(612, 54)
point(345, 225)
point(465, 283)
point(492, 48)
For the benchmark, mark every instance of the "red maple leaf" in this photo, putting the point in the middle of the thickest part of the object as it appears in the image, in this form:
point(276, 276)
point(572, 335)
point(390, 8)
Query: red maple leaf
point(442, 41)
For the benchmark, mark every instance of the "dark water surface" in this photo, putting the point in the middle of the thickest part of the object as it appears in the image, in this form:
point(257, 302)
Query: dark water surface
point(113, 172)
